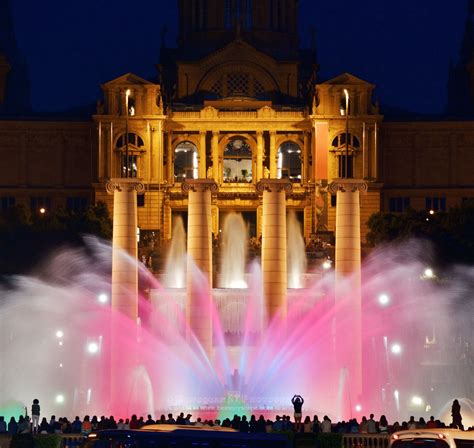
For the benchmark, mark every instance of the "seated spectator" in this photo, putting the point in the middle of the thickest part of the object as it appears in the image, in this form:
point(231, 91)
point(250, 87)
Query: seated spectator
point(316, 424)
point(3, 425)
point(277, 425)
point(383, 425)
point(76, 427)
point(431, 423)
point(86, 425)
point(149, 420)
point(326, 424)
point(307, 425)
point(244, 425)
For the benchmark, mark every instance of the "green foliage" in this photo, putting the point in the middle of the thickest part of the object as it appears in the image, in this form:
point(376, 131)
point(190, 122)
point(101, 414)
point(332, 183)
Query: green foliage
point(452, 232)
point(47, 441)
point(22, 441)
point(26, 237)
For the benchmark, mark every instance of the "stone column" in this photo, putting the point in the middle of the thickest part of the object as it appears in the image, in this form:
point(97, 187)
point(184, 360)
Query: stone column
point(202, 155)
point(348, 283)
point(169, 159)
point(199, 285)
point(274, 264)
point(260, 150)
point(273, 156)
point(125, 274)
point(215, 155)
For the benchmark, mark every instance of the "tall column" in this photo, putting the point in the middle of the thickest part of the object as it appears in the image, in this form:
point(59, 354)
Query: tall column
point(306, 151)
point(169, 158)
point(260, 151)
point(273, 156)
point(198, 298)
point(124, 274)
point(274, 265)
point(348, 283)
point(202, 155)
point(215, 155)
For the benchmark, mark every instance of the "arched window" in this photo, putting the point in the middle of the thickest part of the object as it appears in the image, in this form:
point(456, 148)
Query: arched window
point(237, 161)
point(345, 168)
point(185, 162)
point(135, 148)
point(289, 162)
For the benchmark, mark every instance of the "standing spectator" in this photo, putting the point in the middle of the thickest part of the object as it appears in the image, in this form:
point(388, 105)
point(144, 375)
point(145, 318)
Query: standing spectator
point(371, 425)
point(297, 402)
point(456, 414)
point(134, 422)
point(3, 425)
point(35, 415)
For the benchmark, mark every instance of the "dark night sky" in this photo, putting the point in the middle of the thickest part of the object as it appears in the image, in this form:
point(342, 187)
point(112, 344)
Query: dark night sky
point(402, 46)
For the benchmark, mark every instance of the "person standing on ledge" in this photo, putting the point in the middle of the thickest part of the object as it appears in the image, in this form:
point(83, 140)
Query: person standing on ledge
point(35, 415)
point(297, 402)
point(456, 414)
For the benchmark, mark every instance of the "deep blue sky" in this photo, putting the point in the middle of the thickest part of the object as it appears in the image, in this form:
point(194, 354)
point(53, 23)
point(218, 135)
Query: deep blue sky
point(402, 46)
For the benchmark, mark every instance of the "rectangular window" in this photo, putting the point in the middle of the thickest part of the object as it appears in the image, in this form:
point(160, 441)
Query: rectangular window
point(398, 205)
point(132, 166)
point(333, 200)
point(6, 202)
point(437, 204)
point(141, 200)
point(77, 204)
point(38, 203)
point(342, 165)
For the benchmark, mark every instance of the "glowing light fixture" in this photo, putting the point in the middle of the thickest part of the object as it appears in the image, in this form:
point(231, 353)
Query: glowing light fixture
point(384, 299)
point(396, 349)
point(59, 334)
point(42, 210)
point(59, 398)
point(103, 298)
point(358, 408)
point(416, 400)
point(93, 348)
point(428, 273)
point(327, 265)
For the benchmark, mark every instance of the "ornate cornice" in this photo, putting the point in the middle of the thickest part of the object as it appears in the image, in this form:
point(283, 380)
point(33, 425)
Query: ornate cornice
point(125, 184)
point(199, 185)
point(274, 185)
point(351, 185)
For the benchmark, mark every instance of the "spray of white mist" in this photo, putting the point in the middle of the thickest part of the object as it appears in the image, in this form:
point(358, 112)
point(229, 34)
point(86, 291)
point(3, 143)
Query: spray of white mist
point(175, 269)
point(296, 252)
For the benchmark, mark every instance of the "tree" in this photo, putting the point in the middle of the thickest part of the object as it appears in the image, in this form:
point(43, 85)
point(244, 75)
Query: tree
point(452, 232)
point(26, 238)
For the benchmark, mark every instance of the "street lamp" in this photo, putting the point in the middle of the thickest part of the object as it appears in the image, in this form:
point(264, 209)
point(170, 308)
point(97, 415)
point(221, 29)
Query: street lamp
point(345, 111)
point(127, 94)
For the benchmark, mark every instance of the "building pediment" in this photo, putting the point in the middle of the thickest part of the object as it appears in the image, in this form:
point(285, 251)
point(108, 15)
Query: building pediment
point(347, 79)
point(237, 50)
point(126, 80)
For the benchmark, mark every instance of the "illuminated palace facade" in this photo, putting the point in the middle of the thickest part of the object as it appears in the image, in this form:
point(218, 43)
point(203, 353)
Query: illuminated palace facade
point(236, 101)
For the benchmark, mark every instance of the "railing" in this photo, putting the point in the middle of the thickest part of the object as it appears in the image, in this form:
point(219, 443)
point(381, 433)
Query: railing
point(238, 114)
point(365, 440)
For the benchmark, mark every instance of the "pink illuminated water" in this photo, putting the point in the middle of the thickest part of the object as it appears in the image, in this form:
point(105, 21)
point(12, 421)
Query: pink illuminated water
point(56, 344)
